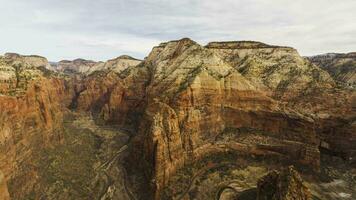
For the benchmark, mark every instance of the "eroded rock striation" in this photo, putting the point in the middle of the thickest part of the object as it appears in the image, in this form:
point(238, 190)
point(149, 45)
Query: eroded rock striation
point(30, 118)
point(207, 95)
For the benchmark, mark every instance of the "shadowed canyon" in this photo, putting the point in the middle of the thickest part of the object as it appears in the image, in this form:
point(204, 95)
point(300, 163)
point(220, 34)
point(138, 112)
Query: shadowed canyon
point(235, 120)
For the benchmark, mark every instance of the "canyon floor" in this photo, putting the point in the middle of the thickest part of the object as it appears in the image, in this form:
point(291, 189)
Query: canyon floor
point(91, 164)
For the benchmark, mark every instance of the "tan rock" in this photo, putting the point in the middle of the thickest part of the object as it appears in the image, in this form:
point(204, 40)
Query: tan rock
point(284, 185)
point(4, 194)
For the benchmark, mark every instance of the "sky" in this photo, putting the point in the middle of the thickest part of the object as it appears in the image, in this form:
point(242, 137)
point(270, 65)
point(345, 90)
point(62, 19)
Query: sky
point(104, 29)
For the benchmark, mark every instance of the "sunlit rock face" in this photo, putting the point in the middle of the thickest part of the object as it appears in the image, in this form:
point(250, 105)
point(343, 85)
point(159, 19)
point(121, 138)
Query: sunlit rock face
point(302, 84)
point(206, 95)
point(279, 70)
point(30, 118)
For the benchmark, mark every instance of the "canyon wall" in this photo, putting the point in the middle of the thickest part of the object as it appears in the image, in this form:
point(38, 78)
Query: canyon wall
point(30, 119)
point(184, 102)
point(193, 95)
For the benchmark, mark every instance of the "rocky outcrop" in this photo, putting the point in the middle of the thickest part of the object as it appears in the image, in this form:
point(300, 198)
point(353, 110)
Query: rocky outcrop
point(112, 97)
point(342, 67)
point(30, 120)
point(30, 60)
point(300, 84)
point(284, 185)
point(159, 144)
point(281, 71)
point(206, 94)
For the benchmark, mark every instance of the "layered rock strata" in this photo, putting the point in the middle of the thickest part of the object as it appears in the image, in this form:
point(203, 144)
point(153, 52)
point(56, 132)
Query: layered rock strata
point(30, 118)
point(193, 95)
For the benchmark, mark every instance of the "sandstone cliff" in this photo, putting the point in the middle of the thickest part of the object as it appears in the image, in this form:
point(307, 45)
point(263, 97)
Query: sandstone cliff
point(279, 70)
point(30, 118)
point(206, 95)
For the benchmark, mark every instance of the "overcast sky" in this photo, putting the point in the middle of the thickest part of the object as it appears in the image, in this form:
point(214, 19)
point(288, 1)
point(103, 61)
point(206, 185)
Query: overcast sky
point(103, 29)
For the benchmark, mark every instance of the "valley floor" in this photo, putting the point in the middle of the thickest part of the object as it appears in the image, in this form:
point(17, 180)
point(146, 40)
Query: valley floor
point(90, 164)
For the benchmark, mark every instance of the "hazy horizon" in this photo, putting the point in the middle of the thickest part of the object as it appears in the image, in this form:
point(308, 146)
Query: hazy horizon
point(102, 30)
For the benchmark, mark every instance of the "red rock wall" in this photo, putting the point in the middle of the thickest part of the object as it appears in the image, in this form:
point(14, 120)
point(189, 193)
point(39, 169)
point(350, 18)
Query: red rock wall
point(28, 124)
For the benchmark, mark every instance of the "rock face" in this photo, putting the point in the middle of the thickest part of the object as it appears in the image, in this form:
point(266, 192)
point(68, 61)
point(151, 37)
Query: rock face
point(30, 60)
point(4, 194)
point(30, 119)
point(206, 95)
point(281, 71)
point(284, 185)
point(292, 80)
point(342, 67)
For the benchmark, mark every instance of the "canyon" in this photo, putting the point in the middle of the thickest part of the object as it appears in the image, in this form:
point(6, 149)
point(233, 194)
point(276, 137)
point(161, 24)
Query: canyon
point(187, 122)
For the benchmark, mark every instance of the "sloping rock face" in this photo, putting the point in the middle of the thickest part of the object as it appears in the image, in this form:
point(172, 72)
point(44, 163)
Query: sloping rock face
point(31, 60)
point(284, 185)
point(30, 119)
point(338, 113)
point(285, 76)
point(112, 97)
point(110, 90)
point(193, 95)
point(342, 67)
point(279, 70)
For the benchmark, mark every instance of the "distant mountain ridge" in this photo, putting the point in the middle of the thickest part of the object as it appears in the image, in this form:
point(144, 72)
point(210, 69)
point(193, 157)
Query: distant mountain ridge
point(341, 66)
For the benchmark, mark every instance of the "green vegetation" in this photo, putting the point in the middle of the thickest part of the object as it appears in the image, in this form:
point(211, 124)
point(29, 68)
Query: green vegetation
point(189, 78)
point(69, 166)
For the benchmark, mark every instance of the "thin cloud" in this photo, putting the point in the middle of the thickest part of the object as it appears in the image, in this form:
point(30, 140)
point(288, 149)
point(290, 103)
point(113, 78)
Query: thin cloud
point(64, 29)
